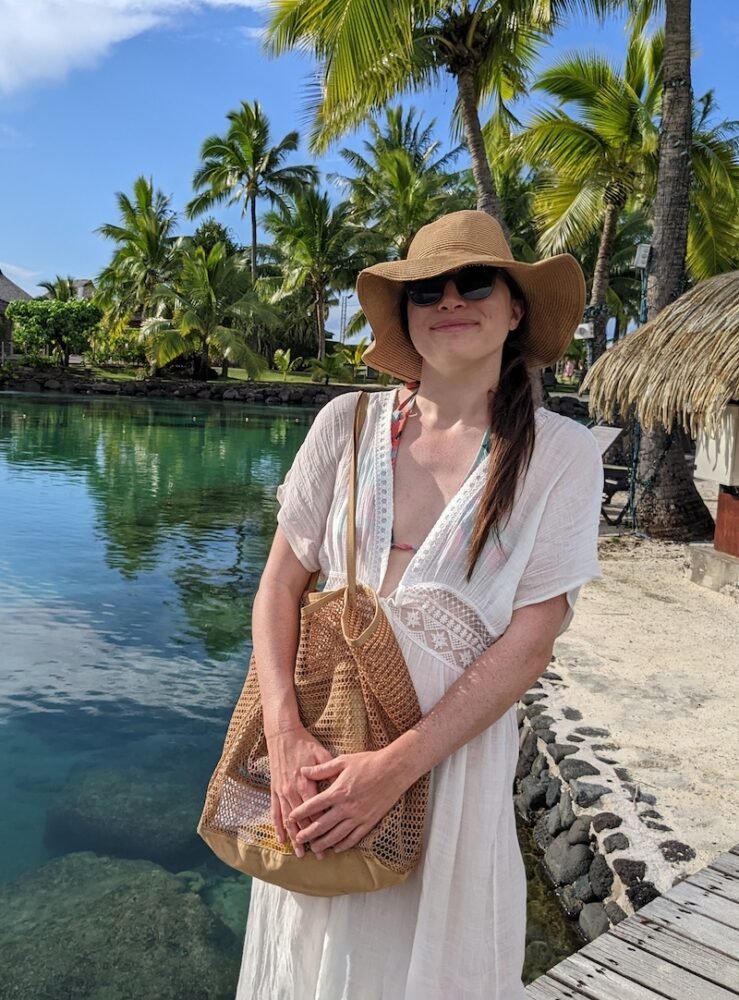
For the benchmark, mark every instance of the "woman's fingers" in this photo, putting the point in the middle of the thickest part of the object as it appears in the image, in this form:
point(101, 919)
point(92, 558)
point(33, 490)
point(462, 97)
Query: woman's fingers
point(312, 807)
point(337, 835)
point(275, 810)
point(323, 772)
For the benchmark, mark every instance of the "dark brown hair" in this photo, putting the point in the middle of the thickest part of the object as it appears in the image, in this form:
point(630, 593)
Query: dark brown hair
point(512, 435)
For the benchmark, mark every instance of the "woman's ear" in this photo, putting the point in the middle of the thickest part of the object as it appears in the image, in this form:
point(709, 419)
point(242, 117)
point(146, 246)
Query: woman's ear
point(518, 311)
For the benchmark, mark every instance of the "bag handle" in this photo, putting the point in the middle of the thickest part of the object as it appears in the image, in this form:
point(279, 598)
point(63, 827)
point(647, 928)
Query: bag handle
point(351, 515)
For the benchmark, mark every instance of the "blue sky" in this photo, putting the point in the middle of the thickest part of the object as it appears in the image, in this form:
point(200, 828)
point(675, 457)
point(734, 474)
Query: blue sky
point(95, 92)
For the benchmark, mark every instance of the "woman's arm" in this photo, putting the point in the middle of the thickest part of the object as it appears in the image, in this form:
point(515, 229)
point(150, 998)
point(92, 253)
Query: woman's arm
point(275, 630)
point(365, 786)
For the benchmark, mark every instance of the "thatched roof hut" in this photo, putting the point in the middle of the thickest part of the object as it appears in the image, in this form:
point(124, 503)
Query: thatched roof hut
point(682, 365)
point(9, 292)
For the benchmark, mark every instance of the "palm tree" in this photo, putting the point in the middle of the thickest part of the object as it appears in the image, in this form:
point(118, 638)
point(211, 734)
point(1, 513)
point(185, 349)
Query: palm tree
point(321, 248)
point(60, 288)
point(352, 355)
point(331, 366)
point(205, 308)
point(401, 182)
point(668, 504)
point(242, 166)
point(599, 158)
point(285, 363)
point(145, 256)
point(371, 51)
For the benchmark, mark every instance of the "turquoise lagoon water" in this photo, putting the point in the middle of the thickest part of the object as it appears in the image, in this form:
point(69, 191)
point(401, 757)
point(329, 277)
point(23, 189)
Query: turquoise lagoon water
point(132, 536)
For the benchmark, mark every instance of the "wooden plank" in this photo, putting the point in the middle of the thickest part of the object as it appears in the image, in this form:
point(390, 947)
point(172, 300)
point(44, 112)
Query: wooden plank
point(693, 925)
point(722, 885)
point(599, 983)
point(735, 850)
point(667, 943)
point(652, 971)
point(727, 864)
point(545, 988)
point(708, 904)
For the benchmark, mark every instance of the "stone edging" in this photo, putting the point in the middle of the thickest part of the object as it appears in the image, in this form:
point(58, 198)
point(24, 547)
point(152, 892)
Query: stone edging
point(603, 844)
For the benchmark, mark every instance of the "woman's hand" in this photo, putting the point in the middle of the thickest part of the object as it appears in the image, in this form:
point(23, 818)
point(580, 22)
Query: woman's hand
point(289, 752)
point(363, 789)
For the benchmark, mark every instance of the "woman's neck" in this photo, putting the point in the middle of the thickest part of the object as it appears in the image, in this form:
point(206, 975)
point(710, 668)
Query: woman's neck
point(448, 398)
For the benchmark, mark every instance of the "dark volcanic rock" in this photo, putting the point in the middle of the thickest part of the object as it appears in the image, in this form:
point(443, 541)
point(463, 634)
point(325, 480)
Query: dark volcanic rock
point(571, 904)
point(541, 833)
point(554, 821)
point(558, 751)
point(630, 872)
point(84, 926)
point(566, 811)
point(584, 890)
point(614, 913)
point(532, 794)
point(591, 731)
point(532, 711)
point(615, 842)
point(572, 714)
point(575, 768)
point(540, 721)
point(576, 739)
point(532, 696)
point(641, 894)
point(606, 821)
point(579, 832)
point(566, 862)
point(674, 850)
point(587, 793)
point(593, 920)
point(601, 877)
point(554, 786)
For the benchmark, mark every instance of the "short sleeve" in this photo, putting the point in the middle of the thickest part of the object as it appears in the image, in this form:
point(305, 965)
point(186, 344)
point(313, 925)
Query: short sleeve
point(306, 495)
point(564, 555)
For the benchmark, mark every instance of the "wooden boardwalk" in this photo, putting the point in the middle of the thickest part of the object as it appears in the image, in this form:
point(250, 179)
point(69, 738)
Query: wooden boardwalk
point(682, 946)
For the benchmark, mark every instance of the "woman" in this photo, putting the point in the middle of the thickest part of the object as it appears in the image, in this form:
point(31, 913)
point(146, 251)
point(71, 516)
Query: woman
point(477, 524)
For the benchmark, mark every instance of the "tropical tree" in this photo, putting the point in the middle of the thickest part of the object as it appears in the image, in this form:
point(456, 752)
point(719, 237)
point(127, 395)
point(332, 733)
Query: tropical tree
point(54, 325)
point(352, 355)
point(331, 366)
point(206, 309)
point(242, 166)
point(285, 363)
point(370, 51)
point(211, 231)
point(321, 249)
point(145, 256)
point(60, 288)
point(668, 504)
point(401, 182)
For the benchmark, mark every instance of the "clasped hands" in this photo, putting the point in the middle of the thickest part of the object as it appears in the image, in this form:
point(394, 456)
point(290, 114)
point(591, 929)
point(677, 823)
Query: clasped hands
point(363, 787)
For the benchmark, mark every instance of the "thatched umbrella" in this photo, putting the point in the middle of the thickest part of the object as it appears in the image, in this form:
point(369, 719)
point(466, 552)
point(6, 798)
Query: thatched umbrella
point(683, 365)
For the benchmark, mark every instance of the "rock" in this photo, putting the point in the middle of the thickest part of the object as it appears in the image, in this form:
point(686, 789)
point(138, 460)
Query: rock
point(591, 731)
point(88, 926)
point(630, 872)
point(558, 751)
point(579, 832)
point(571, 904)
point(532, 794)
point(586, 793)
point(593, 920)
point(231, 394)
point(527, 742)
point(658, 826)
point(614, 913)
point(539, 765)
point(572, 714)
point(576, 739)
point(650, 814)
point(641, 894)
point(621, 773)
point(554, 822)
point(541, 832)
point(532, 711)
point(615, 842)
point(547, 735)
point(552, 675)
point(520, 716)
point(52, 384)
point(584, 890)
point(566, 811)
point(531, 697)
point(539, 721)
point(601, 877)
point(526, 754)
point(674, 850)
point(577, 768)
point(566, 862)
point(637, 795)
point(554, 786)
point(129, 814)
point(606, 821)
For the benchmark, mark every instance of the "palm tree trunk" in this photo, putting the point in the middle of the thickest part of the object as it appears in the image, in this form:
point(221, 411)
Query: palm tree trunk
point(601, 276)
point(253, 210)
point(667, 503)
point(487, 196)
point(320, 325)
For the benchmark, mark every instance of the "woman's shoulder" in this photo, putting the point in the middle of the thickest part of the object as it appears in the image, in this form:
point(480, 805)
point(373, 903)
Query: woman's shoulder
point(564, 440)
point(336, 417)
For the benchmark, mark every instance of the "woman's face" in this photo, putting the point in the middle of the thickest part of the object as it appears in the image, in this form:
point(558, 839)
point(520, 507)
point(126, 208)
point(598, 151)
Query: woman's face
point(456, 333)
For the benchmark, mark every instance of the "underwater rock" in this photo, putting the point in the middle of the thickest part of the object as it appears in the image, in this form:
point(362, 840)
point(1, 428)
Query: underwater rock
point(84, 926)
point(129, 814)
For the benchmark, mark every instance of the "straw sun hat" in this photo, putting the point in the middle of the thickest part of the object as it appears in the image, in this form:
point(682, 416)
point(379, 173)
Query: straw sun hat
point(554, 290)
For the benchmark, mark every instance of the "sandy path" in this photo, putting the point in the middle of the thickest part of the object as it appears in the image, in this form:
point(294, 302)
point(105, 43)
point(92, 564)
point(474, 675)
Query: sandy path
point(654, 658)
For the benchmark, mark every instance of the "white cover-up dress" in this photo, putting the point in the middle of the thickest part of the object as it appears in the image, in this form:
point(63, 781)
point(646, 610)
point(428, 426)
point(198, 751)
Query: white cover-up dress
point(455, 930)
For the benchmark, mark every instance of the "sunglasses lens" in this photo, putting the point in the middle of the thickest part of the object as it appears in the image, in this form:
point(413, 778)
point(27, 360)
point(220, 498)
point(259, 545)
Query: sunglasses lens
point(426, 293)
point(476, 283)
point(473, 283)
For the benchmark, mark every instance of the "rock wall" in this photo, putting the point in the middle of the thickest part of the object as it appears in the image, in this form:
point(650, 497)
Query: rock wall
point(601, 840)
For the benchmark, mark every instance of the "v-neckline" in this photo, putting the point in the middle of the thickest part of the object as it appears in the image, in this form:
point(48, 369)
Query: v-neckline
point(415, 560)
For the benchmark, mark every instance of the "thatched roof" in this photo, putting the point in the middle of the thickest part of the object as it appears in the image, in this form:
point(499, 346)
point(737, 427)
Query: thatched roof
point(9, 291)
point(683, 365)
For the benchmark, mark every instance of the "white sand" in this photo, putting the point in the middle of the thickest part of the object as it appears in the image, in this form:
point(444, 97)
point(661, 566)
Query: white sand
point(654, 658)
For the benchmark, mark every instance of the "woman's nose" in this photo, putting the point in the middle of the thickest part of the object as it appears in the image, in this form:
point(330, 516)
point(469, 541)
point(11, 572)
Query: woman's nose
point(451, 298)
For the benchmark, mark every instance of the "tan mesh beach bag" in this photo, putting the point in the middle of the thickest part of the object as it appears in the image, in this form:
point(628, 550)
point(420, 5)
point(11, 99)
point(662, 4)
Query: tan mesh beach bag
point(354, 693)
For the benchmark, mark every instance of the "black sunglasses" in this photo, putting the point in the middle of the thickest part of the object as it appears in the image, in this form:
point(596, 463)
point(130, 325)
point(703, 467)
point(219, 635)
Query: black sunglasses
point(472, 283)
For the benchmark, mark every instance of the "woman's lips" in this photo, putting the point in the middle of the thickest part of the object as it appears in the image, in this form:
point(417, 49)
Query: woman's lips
point(453, 324)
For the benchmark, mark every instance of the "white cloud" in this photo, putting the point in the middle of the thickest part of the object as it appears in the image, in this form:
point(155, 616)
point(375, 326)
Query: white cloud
point(252, 34)
point(46, 39)
point(20, 275)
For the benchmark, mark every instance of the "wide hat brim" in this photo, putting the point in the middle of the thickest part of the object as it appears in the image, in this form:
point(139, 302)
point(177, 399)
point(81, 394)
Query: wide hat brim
point(554, 290)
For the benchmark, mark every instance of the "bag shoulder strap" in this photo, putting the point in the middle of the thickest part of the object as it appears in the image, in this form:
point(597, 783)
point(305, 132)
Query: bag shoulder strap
point(351, 517)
